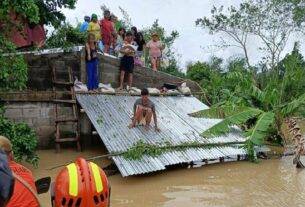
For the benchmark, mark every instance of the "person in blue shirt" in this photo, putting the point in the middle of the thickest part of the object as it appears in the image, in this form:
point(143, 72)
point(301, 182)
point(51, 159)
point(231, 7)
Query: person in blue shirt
point(84, 26)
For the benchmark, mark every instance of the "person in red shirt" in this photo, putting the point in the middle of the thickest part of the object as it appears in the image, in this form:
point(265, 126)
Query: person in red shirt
point(23, 195)
point(107, 31)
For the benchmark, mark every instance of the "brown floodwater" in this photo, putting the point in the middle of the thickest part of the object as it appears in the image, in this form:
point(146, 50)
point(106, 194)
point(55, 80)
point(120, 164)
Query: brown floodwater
point(273, 182)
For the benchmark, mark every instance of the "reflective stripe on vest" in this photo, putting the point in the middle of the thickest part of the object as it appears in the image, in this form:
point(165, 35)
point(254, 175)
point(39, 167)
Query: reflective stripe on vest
point(73, 179)
point(97, 177)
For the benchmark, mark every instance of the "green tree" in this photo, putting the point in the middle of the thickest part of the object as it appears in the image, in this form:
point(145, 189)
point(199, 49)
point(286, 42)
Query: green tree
point(270, 22)
point(260, 109)
point(66, 36)
point(13, 69)
point(50, 11)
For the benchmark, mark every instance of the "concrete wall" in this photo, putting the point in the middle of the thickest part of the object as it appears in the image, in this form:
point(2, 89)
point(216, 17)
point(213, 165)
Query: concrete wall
point(39, 68)
point(40, 71)
point(143, 77)
point(38, 115)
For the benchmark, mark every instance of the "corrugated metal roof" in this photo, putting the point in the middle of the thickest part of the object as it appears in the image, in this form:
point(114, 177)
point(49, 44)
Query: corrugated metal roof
point(111, 114)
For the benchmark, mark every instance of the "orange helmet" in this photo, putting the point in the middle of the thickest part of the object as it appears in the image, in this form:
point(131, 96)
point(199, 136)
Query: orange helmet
point(81, 184)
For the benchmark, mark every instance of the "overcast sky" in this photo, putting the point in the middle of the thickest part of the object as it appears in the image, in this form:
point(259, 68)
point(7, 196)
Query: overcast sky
point(193, 44)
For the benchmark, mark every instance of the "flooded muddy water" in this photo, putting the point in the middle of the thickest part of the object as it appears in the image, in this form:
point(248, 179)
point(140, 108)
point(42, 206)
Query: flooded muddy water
point(272, 182)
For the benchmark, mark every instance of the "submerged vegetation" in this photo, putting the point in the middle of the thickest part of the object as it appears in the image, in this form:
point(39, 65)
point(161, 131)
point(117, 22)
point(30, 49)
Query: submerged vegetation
point(141, 148)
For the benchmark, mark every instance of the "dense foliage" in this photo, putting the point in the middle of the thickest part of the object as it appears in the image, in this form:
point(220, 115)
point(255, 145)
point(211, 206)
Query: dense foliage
point(256, 97)
point(258, 102)
point(66, 36)
point(23, 138)
point(13, 68)
point(50, 11)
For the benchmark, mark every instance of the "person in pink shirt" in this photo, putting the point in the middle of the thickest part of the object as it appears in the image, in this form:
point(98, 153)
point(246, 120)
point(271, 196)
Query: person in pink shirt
point(155, 48)
point(107, 31)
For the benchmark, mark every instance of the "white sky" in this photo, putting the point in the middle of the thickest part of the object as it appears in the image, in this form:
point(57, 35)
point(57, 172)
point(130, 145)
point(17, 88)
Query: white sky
point(179, 15)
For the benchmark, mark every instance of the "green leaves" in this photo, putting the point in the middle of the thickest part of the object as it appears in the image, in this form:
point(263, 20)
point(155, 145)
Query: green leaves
point(13, 72)
point(141, 148)
point(219, 112)
point(23, 138)
point(292, 107)
point(236, 119)
point(66, 36)
point(261, 129)
point(27, 9)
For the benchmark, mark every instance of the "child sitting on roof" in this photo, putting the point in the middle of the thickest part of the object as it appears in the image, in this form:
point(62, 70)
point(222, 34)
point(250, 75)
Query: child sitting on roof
point(143, 110)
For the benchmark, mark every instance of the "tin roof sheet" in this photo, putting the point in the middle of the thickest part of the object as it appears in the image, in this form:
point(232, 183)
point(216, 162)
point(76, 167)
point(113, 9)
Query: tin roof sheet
point(111, 114)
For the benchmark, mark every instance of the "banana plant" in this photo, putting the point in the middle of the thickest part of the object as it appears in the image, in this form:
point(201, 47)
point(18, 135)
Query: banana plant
point(263, 122)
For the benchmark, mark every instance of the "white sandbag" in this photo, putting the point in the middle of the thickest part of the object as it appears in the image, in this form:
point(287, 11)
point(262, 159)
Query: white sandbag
point(172, 92)
point(106, 88)
point(153, 91)
point(79, 86)
point(184, 89)
point(134, 91)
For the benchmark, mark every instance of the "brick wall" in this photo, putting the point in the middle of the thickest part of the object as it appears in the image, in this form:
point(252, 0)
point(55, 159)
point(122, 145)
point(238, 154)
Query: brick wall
point(38, 115)
point(39, 68)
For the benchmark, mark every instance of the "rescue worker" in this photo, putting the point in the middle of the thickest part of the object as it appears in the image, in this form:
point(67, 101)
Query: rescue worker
point(81, 184)
point(6, 180)
point(24, 194)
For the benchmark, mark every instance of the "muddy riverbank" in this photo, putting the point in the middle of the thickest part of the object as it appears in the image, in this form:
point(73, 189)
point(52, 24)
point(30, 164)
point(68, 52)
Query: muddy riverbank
point(273, 182)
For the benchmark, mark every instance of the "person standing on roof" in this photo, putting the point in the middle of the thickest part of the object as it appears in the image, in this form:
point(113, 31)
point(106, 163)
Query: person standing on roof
point(127, 53)
point(23, 196)
point(155, 48)
point(92, 63)
point(107, 30)
point(113, 19)
point(143, 111)
point(85, 24)
point(139, 39)
point(120, 40)
point(94, 28)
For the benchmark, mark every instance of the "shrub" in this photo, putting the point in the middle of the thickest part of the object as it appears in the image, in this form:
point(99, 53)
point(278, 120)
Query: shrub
point(23, 138)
